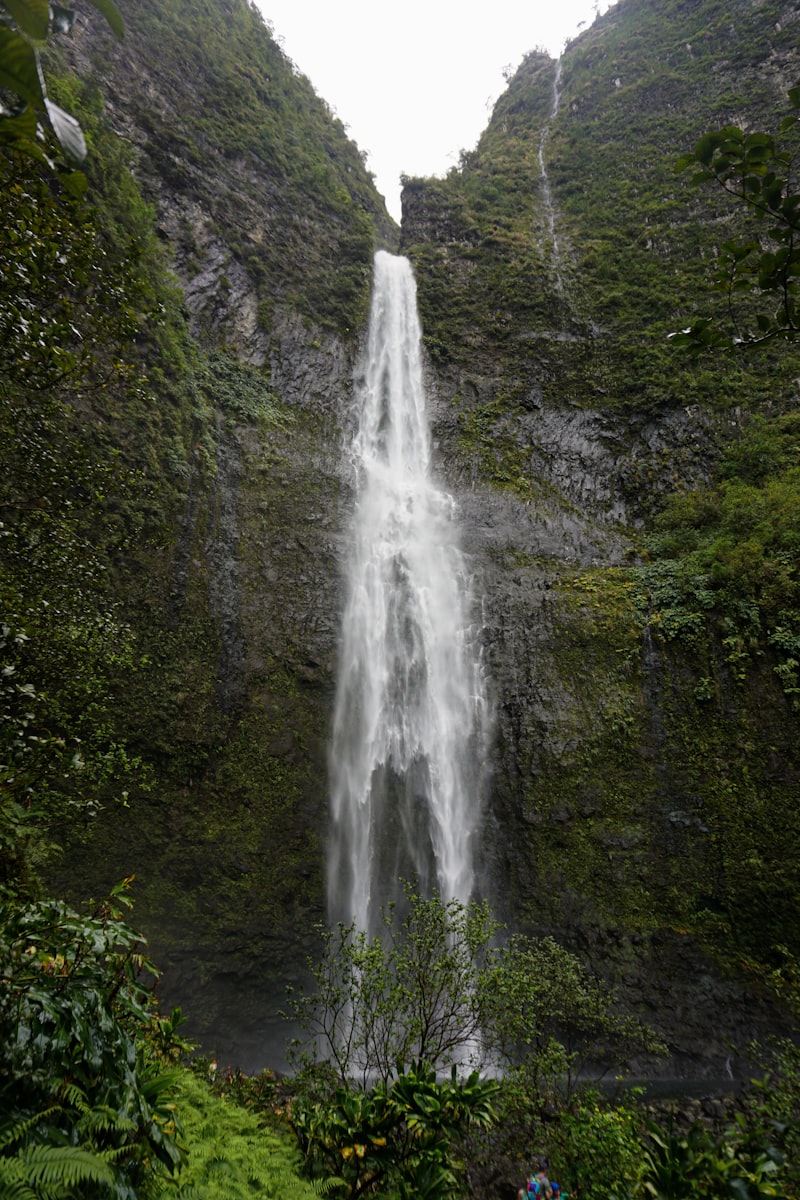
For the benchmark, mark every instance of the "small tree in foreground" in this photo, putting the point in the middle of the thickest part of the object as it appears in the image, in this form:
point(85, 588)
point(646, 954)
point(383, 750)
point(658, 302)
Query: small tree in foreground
point(410, 995)
point(437, 989)
point(435, 996)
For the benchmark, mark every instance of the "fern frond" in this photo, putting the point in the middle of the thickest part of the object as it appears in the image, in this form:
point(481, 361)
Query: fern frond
point(65, 1167)
point(325, 1187)
point(74, 1096)
point(12, 1185)
point(16, 1131)
point(104, 1120)
point(115, 1154)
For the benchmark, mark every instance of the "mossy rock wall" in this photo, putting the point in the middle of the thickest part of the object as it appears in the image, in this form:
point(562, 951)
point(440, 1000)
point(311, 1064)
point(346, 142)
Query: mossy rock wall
point(646, 766)
point(645, 778)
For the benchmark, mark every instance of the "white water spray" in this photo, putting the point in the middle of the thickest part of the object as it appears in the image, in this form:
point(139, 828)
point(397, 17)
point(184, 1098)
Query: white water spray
point(411, 714)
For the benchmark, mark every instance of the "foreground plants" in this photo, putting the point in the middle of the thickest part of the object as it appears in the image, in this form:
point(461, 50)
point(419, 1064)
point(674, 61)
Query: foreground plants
point(402, 1135)
point(86, 1105)
point(402, 1029)
point(741, 1164)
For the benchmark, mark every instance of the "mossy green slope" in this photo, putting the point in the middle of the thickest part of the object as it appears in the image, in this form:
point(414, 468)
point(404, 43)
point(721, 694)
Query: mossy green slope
point(647, 783)
point(240, 149)
point(229, 1155)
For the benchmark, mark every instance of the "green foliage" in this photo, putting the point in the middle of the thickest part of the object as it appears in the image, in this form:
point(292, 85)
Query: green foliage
point(771, 1108)
point(596, 1148)
point(696, 1163)
point(241, 390)
point(78, 1073)
point(51, 318)
point(24, 26)
point(435, 990)
point(760, 172)
point(228, 1155)
point(54, 1172)
point(409, 996)
point(731, 552)
point(400, 1135)
point(91, 463)
point(551, 1022)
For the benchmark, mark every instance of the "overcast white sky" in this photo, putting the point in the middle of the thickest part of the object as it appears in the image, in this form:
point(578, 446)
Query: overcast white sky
point(414, 81)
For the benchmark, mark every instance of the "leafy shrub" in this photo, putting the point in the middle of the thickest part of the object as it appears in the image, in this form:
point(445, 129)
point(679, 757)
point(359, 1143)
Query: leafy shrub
point(83, 1094)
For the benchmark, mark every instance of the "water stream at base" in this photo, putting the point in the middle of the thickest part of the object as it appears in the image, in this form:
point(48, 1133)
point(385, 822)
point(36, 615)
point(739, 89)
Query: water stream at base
point(411, 715)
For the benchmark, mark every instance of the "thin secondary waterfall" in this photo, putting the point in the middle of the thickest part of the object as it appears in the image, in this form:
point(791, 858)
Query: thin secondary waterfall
point(411, 714)
point(547, 195)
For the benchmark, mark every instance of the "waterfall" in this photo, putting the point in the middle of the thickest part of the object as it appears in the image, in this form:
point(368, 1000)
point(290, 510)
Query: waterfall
point(547, 195)
point(411, 715)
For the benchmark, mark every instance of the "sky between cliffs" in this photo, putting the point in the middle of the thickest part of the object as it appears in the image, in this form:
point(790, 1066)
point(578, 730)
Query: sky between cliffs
point(414, 81)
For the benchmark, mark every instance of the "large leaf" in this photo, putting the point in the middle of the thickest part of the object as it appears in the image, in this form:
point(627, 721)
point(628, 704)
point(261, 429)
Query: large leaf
point(21, 132)
point(19, 67)
point(21, 125)
point(111, 14)
point(68, 132)
point(31, 16)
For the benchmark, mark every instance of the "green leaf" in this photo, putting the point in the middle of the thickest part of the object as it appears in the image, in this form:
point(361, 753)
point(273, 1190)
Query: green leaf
point(21, 126)
point(762, 142)
point(111, 14)
point(685, 160)
point(705, 147)
point(19, 67)
point(74, 183)
point(31, 16)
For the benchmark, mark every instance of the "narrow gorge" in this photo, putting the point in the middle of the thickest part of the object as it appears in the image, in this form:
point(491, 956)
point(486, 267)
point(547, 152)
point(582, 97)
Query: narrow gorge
point(591, 556)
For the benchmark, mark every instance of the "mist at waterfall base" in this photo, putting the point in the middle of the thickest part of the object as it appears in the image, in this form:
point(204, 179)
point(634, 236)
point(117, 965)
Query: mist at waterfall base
point(411, 718)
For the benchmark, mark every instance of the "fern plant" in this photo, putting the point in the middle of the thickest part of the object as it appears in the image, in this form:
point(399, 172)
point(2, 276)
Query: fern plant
point(52, 1173)
point(229, 1157)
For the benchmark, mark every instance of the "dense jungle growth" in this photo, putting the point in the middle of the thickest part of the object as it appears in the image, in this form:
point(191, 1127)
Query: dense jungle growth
point(613, 366)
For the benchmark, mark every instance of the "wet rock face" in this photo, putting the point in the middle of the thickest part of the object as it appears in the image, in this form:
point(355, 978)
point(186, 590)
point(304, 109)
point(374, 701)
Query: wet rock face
point(589, 815)
point(429, 216)
point(219, 293)
point(313, 370)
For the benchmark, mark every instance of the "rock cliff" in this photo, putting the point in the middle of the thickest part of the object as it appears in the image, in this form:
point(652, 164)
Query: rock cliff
point(644, 784)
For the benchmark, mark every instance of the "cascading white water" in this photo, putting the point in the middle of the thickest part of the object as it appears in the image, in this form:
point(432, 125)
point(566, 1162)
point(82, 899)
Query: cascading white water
point(411, 713)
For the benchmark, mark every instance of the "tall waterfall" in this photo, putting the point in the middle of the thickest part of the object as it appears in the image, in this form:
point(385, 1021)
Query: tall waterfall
point(411, 714)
